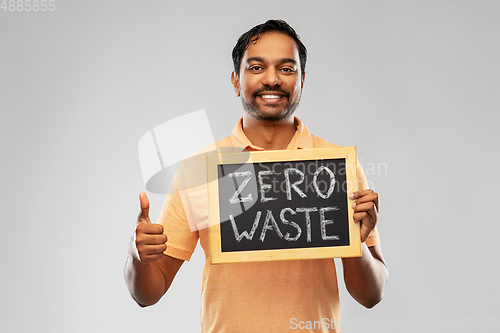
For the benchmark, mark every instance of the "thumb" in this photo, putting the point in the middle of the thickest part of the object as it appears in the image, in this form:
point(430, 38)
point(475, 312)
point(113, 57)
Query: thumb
point(144, 215)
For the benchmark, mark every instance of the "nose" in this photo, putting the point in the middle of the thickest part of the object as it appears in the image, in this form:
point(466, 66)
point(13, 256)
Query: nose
point(271, 78)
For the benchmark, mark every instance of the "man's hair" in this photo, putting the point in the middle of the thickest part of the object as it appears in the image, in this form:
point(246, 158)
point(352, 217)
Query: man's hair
point(252, 35)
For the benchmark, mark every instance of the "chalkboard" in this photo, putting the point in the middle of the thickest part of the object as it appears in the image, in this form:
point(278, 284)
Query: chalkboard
point(280, 205)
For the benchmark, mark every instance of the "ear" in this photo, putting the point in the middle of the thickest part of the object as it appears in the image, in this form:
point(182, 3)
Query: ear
point(236, 83)
point(302, 81)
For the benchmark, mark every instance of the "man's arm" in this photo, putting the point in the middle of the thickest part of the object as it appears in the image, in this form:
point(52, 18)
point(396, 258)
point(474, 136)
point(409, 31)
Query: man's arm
point(148, 272)
point(148, 282)
point(365, 277)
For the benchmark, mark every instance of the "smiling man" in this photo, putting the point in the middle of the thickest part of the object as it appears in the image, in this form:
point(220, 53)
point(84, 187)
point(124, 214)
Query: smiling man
point(268, 77)
point(271, 78)
point(279, 296)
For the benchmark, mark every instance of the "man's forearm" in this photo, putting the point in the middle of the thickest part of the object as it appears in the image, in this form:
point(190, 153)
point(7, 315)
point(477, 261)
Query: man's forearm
point(365, 277)
point(145, 281)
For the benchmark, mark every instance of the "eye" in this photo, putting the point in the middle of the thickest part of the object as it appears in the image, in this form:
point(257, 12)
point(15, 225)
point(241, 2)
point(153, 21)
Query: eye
point(255, 68)
point(288, 70)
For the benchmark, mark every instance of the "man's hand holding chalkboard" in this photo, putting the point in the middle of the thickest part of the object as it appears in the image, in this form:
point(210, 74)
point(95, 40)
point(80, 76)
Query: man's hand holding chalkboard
point(150, 241)
point(365, 211)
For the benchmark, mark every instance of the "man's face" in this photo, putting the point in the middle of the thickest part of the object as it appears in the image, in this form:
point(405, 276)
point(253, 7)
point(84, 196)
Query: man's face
point(270, 83)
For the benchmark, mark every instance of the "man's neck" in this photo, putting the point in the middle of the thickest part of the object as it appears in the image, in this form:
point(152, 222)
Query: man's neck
point(270, 136)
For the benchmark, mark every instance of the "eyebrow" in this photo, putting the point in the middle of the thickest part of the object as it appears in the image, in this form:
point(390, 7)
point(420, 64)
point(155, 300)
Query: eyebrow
point(281, 61)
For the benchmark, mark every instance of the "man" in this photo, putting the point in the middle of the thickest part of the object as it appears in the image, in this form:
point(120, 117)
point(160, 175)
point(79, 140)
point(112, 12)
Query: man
point(278, 296)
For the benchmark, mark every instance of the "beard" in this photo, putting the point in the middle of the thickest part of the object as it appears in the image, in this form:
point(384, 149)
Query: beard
point(277, 113)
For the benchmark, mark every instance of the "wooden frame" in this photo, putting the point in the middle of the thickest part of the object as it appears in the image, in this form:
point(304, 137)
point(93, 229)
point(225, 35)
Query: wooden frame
point(214, 160)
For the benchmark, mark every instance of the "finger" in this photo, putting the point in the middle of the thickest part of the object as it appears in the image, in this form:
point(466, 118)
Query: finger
point(144, 215)
point(365, 196)
point(371, 197)
point(149, 240)
point(359, 194)
point(149, 229)
point(147, 250)
point(151, 250)
point(366, 228)
point(360, 216)
point(366, 224)
point(368, 207)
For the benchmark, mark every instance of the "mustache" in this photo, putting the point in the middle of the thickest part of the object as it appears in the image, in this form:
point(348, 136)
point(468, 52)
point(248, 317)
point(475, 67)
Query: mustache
point(268, 88)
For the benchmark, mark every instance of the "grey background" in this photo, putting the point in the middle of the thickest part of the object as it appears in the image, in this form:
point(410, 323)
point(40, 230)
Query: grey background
point(413, 84)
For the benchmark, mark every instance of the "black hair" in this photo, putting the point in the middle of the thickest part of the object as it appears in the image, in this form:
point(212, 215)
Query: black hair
point(252, 35)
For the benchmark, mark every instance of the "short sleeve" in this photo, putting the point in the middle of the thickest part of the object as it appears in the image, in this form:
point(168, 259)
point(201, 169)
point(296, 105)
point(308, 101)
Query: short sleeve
point(373, 239)
point(181, 240)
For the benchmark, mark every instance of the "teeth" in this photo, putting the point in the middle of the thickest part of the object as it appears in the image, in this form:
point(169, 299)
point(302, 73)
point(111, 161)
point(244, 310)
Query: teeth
point(270, 96)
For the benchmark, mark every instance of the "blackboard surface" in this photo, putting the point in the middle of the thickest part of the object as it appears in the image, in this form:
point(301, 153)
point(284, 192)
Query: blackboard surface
point(281, 205)
point(302, 214)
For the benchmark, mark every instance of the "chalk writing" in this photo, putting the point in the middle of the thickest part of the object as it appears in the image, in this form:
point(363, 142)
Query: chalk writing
point(292, 205)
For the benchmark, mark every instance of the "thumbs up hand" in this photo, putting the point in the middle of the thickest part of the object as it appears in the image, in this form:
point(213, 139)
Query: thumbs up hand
point(149, 239)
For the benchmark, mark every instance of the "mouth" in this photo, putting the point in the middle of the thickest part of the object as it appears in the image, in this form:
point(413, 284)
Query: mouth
point(271, 97)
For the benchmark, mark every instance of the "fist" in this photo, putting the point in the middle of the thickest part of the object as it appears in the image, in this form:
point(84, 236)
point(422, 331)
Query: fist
point(150, 241)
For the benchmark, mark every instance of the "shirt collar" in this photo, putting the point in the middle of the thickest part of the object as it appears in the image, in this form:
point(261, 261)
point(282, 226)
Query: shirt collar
point(302, 139)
